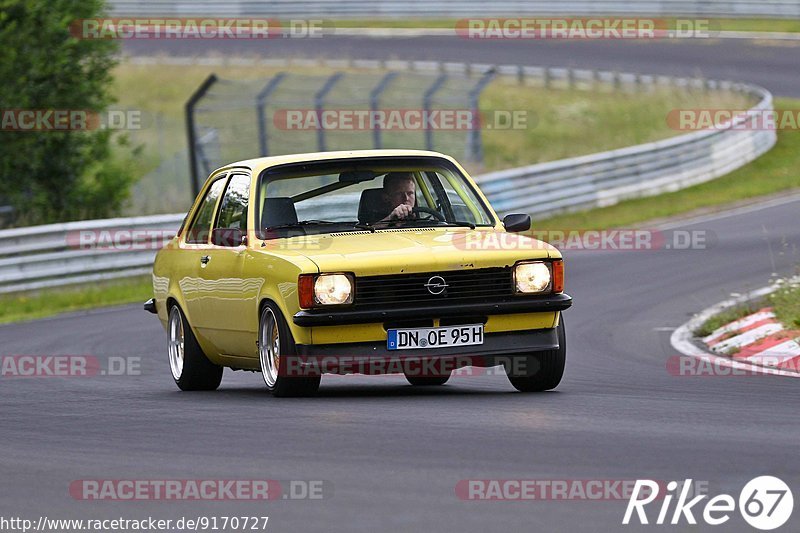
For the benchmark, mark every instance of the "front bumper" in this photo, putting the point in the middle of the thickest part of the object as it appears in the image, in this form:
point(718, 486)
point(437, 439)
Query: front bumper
point(494, 344)
point(522, 304)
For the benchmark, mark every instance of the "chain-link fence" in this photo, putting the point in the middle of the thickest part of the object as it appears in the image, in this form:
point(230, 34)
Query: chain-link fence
point(294, 112)
point(230, 120)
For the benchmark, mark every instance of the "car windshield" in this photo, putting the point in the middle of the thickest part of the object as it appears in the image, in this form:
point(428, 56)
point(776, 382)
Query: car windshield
point(366, 194)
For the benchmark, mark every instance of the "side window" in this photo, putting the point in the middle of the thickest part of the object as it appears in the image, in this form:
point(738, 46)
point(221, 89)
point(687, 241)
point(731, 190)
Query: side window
point(233, 211)
point(201, 226)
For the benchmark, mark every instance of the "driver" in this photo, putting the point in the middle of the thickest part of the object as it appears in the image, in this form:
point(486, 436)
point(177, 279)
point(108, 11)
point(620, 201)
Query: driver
point(399, 195)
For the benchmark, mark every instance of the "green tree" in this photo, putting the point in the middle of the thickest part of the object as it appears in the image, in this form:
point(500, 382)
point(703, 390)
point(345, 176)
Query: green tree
point(51, 176)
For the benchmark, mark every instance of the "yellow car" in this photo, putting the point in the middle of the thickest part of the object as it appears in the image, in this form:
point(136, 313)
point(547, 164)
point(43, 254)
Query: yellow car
point(372, 262)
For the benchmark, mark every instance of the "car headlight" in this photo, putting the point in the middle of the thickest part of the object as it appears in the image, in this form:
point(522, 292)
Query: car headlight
point(324, 289)
point(333, 289)
point(532, 277)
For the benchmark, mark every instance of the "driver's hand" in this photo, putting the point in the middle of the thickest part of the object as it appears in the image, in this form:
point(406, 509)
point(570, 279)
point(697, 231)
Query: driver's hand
point(401, 212)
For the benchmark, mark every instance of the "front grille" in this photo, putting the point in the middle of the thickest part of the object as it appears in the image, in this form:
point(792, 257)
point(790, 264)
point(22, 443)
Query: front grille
point(463, 286)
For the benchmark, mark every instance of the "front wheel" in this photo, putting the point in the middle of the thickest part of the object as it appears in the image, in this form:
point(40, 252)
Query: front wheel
point(190, 367)
point(539, 371)
point(275, 352)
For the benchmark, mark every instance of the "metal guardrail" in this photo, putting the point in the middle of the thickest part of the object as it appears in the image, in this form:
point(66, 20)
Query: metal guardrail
point(454, 8)
point(603, 179)
point(38, 257)
point(76, 252)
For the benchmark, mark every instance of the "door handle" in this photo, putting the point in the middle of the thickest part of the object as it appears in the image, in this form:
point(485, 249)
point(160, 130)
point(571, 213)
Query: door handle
point(205, 259)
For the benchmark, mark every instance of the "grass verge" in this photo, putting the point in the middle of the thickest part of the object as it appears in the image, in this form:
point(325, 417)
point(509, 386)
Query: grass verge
point(39, 304)
point(773, 172)
point(559, 119)
point(726, 317)
point(786, 304)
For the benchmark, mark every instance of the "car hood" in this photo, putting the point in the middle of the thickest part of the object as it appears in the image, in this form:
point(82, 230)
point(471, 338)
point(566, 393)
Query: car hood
point(395, 251)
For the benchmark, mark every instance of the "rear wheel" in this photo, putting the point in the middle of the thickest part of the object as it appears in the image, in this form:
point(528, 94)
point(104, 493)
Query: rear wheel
point(276, 349)
point(190, 367)
point(540, 371)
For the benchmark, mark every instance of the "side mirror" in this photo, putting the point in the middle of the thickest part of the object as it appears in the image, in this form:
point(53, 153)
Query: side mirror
point(517, 222)
point(230, 237)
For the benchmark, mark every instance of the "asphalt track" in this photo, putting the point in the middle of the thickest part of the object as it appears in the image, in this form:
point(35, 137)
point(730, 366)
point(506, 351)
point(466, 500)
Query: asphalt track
point(772, 64)
point(392, 454)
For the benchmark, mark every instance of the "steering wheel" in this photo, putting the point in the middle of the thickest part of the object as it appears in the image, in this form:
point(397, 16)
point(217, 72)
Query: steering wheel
point(433, 212)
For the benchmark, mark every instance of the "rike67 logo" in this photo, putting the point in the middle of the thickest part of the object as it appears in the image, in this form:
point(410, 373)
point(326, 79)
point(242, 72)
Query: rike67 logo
point(765, 503)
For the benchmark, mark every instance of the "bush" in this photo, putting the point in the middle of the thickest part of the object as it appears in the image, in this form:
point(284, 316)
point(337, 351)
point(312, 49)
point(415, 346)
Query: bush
point(52, 176)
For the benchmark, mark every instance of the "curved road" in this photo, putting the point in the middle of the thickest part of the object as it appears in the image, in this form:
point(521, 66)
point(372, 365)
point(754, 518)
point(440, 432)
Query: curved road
point(771, 64)
point(391, 455)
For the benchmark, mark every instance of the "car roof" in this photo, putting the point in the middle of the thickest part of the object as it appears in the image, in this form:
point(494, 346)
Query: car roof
point(258, 164)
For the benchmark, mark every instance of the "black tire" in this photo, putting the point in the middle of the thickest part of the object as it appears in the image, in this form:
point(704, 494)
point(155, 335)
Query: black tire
point(279, 377)
point(427, 381)
point(192, 371)
point(540, 371)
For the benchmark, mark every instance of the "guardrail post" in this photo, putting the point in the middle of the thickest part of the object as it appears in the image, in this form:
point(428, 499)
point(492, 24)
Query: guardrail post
point(474, 136)
point(261, 103)
point(426, 106)
point(374, 97)
point(319, 102)
point(191, 135)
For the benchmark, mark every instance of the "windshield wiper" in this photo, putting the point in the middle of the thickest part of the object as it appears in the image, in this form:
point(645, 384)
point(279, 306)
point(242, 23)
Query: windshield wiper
point(461, 223)
point(302, 223)
point(368, 227)
point(435, 222)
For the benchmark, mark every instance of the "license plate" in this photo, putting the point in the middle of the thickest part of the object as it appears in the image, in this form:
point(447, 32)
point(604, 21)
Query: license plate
point(444, 337)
